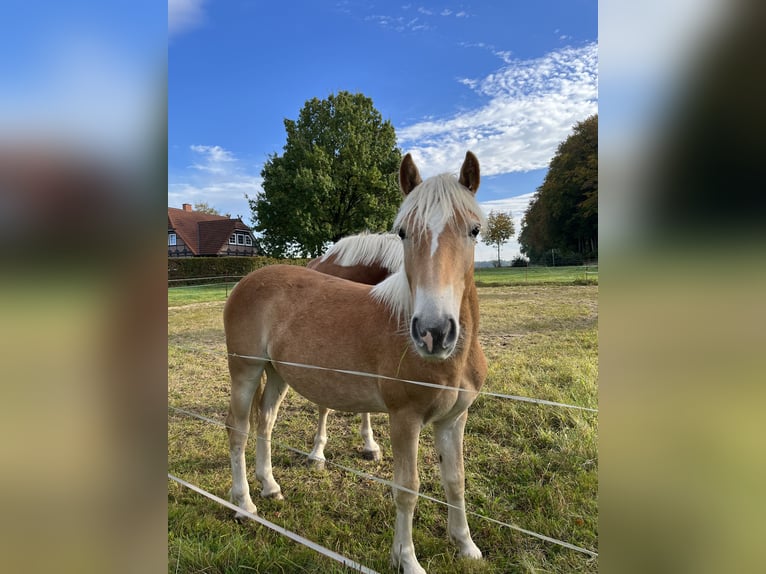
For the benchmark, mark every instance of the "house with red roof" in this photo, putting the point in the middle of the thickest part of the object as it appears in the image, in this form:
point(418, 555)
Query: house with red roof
point(196, 234)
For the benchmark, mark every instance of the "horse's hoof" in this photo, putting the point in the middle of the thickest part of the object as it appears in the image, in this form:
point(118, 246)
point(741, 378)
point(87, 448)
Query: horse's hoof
point(316, 463)
point(240, 517)
point(273, 495)
point(371, 455)
point(468, 549)
point(407, 567)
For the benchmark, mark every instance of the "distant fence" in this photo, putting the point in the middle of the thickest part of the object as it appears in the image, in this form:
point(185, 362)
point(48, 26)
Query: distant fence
point(536, 274)
point(207, 286)
point(192, 270)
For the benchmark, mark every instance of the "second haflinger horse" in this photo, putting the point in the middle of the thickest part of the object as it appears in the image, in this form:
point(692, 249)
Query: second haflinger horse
point(420, 324)
point(367, 258)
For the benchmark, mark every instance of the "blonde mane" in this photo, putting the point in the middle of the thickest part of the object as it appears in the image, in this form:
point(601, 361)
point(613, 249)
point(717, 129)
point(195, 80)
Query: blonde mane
point(367, 249)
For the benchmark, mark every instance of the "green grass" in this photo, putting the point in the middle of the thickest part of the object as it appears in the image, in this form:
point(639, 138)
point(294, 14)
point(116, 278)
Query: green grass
point(485, 277)
point(488, 276)
point(198, 293)
point(530, 465)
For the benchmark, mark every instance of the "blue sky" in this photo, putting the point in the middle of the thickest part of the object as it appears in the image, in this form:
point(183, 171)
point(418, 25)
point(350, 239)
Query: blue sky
point(507, 80)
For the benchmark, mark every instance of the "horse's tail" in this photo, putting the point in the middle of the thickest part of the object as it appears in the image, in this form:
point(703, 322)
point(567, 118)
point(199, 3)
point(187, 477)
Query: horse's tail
point(255, 407)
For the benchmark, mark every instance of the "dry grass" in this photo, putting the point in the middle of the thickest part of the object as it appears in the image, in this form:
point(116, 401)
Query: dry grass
point(531, 465)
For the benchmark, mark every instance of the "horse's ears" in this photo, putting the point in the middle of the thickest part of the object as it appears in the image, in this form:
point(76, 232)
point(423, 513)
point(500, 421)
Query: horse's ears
point(469, 173)
point(409, 176)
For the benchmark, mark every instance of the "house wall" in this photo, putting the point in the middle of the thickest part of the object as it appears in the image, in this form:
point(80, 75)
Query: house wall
point(238, 250)
point(180, 249)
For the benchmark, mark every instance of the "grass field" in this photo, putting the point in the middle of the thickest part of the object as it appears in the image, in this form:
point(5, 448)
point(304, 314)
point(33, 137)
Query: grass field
point(485, 277)
point(530, 465)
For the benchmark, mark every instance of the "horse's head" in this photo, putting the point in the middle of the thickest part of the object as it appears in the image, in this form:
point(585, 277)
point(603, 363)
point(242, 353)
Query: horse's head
point(438, 222)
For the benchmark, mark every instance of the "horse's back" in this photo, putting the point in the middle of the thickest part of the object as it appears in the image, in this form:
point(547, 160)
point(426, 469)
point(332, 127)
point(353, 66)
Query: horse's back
point(289, 314)
point(279, 297)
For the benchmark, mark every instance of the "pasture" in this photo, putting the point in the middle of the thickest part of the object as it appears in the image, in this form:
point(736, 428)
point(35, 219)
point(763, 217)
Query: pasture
point(537, 275)
point(530, 465)
point(484, 277)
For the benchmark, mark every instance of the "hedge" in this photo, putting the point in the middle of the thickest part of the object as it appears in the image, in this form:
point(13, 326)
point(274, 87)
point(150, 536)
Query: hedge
point(196, 270)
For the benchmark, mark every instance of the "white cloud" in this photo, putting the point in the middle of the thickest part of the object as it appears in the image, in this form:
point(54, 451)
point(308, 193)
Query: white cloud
point(504, 55)
point(532, 106)
point(405, 23)
point(398, 23)
point(219, 178)
point(183, 15)
point(214, 158)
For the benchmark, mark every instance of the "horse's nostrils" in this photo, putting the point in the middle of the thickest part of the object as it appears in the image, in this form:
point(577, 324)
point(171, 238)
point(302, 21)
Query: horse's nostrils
point(451, 336)
point(428, 341)
point(434, 340)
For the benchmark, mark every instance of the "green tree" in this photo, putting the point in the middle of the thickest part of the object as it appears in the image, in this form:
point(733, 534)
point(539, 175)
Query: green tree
point(338, 175)
point(563, 214)
point(499, 230)
point(205, 207)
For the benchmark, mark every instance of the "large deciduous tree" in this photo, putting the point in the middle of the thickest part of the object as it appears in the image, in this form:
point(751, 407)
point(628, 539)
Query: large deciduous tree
point(563, 214)
point(499, 230)
point(337, 176)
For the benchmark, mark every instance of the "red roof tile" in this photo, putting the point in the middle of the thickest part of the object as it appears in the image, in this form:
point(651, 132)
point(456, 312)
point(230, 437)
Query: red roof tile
point(203, 234)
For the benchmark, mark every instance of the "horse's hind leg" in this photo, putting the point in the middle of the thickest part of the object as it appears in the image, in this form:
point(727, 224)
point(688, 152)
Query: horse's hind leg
point(245, 382)
point(371, 449)
point(316, 457)
point(268, 407)
point(448, 438)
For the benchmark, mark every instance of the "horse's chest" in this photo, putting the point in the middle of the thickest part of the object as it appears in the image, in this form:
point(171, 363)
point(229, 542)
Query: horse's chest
point(449, 404)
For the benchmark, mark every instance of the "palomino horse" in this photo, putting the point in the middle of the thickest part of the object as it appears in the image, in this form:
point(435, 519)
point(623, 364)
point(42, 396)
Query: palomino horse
point(420, 324)
point(365, 258)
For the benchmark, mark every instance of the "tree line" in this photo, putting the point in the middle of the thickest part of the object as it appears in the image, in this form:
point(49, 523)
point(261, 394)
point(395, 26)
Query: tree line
point(560, 225)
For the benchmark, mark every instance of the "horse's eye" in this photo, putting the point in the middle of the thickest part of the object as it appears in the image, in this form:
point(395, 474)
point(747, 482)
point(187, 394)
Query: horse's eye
point(475, 230)
point(400, 232)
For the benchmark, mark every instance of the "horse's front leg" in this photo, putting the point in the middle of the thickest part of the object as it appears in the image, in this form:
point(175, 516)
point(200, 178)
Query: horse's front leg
point(448, 438)
point(405, 434)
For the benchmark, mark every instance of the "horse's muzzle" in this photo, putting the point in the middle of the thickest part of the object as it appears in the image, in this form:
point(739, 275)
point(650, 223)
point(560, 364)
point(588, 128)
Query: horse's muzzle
point(434, 339)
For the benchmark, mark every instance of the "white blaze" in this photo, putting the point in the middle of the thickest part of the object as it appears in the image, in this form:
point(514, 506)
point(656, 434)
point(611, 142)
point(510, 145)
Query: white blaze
point(436, 225)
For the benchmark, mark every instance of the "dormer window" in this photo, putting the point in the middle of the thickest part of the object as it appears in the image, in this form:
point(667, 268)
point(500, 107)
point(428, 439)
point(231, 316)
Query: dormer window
point(240, 238)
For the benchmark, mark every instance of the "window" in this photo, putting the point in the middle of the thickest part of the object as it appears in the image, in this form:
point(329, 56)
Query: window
point(240, 239)
point(248, 240)
point(171, 238)
point(233, 240)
